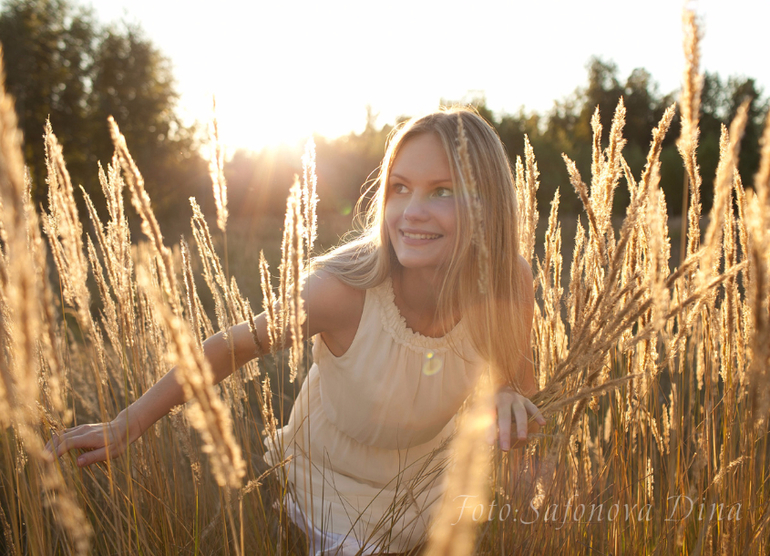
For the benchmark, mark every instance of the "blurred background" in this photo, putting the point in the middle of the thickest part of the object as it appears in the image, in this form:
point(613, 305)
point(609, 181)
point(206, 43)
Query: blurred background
point(345, 73)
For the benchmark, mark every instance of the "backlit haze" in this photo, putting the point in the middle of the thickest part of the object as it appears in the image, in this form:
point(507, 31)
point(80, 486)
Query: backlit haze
point(283, 70)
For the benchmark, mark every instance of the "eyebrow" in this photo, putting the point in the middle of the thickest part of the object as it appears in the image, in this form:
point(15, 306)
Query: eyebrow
point(433, 182)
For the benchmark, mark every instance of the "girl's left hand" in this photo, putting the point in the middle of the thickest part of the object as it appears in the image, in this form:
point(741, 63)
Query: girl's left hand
point(512, 404)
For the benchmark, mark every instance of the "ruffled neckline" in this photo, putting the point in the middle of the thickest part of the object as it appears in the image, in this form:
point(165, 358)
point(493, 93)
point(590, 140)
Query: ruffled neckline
point(395, 323)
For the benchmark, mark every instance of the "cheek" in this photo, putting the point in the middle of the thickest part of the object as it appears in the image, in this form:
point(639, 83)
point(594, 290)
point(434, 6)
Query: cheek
point(448, 215)
point(392, 212)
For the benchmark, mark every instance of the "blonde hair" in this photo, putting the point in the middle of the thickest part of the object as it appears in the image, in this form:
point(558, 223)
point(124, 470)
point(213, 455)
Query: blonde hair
point(368, 259)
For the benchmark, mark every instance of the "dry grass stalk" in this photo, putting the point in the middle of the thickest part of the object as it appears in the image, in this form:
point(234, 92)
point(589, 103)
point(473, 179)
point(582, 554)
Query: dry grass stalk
point(452, 533)
point(527, 184)
point(607, 308)
point(206, 413)
point(471, 194)
point(268, 415)
point(191, 295)
point(181, 427)
point(65, 235)
point(551, 333)
point(692, 86)
point(114, 242)
point(292, 268)
point(729, 145)
point(53, 380)
point(299, 235)
point(728, 318)
point(141, 201)
point(296, 308)
point(109, 314)
point(582, 190)
point(742, 326)
point(213, 272)
point(627, 420)
point(597, 160)
point(250, 318)
point(64, 220)
point(575, 299)
point(603, 189)
point(19, 362)
point(309, 196)
point(268, 302)
point(243, 312)
point(217, 171)
point(689, 101)
point(19, 294)
point(228, 306)
point(651, 172)
point(7, 534)
point(658, 255)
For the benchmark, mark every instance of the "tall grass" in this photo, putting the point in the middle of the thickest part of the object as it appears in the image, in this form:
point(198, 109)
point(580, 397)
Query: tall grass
point(654, 381)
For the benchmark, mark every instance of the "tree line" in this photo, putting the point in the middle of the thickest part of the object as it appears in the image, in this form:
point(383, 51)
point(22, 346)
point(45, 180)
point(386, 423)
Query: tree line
point(346, 163)
point(62, 65)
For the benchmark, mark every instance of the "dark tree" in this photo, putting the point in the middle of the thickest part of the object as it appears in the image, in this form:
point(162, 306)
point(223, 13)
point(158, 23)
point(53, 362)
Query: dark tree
point(60, 64)
point(48, 48)
point(133, 83)
point(742, 89)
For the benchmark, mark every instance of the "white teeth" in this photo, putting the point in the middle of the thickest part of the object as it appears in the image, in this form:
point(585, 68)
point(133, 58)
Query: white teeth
point(421, 236)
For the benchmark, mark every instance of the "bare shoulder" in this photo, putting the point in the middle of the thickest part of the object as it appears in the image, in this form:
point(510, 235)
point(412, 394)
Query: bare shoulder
point(331, 305)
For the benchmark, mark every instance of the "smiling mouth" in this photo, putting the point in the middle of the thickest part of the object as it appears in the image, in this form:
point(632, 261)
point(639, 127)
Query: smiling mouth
point(410, 235)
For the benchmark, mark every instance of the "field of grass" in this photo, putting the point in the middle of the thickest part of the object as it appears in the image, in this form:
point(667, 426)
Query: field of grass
point(653, 369)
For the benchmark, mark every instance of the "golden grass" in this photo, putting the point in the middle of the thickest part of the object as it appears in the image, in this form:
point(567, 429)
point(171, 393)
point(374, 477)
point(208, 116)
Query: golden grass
point(654, 381)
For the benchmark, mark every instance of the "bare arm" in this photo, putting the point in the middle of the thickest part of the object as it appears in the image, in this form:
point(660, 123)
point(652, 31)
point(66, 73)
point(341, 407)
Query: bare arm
point(167, 393)
point(332, 307)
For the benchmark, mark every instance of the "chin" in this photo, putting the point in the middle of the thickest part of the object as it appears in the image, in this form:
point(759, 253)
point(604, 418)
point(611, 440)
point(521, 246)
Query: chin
point(414, 263)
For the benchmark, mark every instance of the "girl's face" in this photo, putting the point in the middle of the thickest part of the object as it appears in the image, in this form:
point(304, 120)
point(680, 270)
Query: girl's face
point(420, 208)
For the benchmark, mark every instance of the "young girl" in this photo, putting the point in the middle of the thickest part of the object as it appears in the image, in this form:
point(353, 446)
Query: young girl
point(402, 328)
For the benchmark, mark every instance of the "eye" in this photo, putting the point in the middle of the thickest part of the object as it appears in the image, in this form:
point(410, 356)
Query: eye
point(443, 192)
point(398, 187)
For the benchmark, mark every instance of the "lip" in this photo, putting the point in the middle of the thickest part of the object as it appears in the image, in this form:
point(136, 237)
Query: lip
point(415, 241)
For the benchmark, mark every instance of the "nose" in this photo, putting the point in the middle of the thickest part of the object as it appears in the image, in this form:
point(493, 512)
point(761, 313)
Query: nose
point(416, 209)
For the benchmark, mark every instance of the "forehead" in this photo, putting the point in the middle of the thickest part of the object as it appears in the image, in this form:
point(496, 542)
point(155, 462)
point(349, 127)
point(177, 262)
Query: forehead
point(422, 156)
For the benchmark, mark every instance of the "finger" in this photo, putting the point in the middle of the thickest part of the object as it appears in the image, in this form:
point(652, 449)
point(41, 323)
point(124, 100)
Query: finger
point(94, 456)
point(64, 444)
point(520, 413)
point(48, 454)
point(504, 425)
point(535, 412)
point(56, 442)
point(49, 445)
point(89, 440)
point(60, 437)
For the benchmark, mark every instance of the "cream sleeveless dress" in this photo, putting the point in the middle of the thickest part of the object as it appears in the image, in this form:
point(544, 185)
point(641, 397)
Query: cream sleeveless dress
point(368, 432)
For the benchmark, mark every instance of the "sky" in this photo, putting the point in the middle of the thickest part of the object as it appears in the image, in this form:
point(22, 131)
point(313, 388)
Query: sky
point(282, 70)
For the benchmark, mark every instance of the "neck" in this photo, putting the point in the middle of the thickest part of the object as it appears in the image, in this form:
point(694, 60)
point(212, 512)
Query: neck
point(417, 293)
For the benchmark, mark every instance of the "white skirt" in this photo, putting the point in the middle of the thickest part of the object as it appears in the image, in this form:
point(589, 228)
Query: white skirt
point(325, 543)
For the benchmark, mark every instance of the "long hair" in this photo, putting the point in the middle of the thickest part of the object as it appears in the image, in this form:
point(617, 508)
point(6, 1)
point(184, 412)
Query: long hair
point(493, 317)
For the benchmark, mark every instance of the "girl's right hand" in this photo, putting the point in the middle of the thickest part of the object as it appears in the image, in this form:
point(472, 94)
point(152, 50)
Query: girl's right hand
point(511, 405)
point(100, 441)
